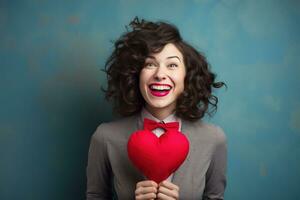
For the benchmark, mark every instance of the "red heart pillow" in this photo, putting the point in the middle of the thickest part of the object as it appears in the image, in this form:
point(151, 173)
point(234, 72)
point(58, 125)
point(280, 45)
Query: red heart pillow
point(157, 157)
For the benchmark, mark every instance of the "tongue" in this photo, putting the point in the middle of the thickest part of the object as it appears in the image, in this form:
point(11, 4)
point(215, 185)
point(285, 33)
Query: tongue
point(159, 92)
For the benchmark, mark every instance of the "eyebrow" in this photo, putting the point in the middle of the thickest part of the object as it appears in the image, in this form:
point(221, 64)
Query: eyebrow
point(167, 57)
point(174, 57)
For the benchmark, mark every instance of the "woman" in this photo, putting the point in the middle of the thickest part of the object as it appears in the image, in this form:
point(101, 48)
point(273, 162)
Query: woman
point(152, 73)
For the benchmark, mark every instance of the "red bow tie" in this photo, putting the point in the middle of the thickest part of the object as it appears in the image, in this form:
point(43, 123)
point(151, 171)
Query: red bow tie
point(151, 125)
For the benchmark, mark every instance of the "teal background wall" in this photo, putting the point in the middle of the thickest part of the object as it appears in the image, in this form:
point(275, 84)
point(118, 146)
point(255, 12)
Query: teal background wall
point(51, 56)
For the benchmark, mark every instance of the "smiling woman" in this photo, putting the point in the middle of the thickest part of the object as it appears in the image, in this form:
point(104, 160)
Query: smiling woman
point(162, 81)
point(162, 87)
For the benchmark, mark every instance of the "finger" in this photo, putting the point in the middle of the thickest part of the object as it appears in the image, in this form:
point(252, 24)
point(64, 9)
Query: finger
point(163, 197)
point(145, 190)
point(170, 193)
point(169, 185)
point(146, 196)
point(146, 183)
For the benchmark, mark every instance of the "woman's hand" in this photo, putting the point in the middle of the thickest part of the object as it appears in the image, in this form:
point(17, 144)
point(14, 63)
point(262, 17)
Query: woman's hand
point(167, 191)
point(146, 190)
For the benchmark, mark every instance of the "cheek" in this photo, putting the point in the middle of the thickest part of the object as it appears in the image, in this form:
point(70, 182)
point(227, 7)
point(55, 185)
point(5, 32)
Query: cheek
point(141, 78)
point(181, 85)
point(145, 76)
point(179, 79)
point(143, 81)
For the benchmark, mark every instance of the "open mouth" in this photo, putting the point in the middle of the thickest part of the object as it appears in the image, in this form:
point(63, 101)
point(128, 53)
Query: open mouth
point(160, 90)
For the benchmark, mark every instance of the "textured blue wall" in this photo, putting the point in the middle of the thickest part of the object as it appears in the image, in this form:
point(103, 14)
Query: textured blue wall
point(51, 56)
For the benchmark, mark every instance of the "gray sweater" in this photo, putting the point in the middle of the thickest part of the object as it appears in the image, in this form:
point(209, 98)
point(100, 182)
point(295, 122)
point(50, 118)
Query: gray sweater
point(201, 176)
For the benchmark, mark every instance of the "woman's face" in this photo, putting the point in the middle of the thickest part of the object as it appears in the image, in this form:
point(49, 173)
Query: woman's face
point(162, 79)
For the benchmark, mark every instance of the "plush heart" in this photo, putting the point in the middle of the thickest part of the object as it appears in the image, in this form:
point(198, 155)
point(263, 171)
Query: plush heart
point(157, 157)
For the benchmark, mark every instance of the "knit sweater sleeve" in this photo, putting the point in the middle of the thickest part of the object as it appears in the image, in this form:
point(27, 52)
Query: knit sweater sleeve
point(216, 174)
point(99, 173)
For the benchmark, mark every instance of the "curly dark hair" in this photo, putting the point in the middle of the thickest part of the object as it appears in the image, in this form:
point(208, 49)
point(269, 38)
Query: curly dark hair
point(128, 58)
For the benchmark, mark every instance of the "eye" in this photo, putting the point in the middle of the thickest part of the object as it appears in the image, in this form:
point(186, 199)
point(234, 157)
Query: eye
point(150, 65)
point(172, 65)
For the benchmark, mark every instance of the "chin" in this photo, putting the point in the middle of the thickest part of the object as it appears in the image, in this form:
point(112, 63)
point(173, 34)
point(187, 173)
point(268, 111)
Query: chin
point(162, 104)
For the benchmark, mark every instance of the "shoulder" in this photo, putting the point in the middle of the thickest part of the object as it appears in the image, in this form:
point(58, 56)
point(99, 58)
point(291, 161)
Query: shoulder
point(209, 132)
point(216, 132)
point(106, 130)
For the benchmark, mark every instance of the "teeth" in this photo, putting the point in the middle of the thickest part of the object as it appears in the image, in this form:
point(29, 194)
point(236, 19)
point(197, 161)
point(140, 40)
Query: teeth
point(160, 87)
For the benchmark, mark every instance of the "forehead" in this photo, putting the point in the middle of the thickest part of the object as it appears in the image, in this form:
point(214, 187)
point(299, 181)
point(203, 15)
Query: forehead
point(167, 51)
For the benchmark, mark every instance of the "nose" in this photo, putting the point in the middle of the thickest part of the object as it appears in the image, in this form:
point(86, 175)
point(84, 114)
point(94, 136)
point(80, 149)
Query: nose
point(160, 73)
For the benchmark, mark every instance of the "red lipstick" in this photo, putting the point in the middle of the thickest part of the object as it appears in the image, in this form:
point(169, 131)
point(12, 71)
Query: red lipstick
point(160, 90)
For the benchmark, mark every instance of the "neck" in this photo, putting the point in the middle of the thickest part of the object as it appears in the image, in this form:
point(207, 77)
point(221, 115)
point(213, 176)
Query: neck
point(160, 113)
